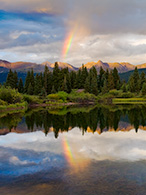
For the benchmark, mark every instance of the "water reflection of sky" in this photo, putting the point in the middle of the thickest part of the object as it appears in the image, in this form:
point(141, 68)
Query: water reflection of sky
point(33, 152)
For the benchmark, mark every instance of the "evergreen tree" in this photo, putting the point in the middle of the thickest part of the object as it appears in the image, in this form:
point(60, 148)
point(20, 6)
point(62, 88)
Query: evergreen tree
point(56, 77)
point(78, 79)
point(32, 79)
point(38, 84)
point(105, 87)
point(27, 82)
point(45, 78)
point(101, 78)
point(68, 82)
point(53, 89)
point(94, 87)
point(73, 79)
point(143, 89)
point(87, 84)
point(15, 78)
point(64, 85)
point(30, 89)
point(12, 79)
point(111, 81)
point(136, 80)
point(116, 78)
point(84, 74)
point(20, 86)
point(142, 80)
point(131, 84)
point(124, 87)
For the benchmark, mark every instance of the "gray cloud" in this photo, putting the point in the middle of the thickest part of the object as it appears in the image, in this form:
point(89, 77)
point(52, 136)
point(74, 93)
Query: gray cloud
point(109, 30)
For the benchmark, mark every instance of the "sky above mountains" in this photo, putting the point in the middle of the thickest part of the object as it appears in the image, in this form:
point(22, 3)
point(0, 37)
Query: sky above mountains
point(73, 31)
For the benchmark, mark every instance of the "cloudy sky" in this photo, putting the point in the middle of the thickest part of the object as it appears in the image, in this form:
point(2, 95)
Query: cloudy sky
point(73, 31)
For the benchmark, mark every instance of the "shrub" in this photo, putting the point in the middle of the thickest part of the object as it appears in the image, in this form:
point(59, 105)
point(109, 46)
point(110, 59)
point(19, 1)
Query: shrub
point(11, 96)
point(3, 103)
point(61, 95)
point(53, 96)
point(80, 97)
point(127, 95)
point(30, 99)
point(115, 92)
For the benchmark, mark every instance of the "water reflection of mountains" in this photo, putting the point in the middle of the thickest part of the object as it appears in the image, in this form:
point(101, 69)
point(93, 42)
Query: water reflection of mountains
point(90, 119)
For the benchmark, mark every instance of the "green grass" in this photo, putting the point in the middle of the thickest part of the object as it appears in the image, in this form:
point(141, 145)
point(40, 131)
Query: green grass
point(129, 101)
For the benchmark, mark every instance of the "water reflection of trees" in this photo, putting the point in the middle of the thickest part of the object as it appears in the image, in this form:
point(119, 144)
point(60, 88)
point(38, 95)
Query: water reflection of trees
point(100, 117)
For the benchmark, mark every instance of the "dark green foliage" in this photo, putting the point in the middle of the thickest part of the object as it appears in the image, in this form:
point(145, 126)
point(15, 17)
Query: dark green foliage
point(27, 82)
point(124, 87)
point(134, 82)
point(12, 80)
point(62, 80)
point(38, 84)
point(20, 86)
point(56, 77)
point(143, 89)
point(142, 80)
point(116, 78)
point(111, 84)
point(30, 89)
point(11, 96)
point(101, 79)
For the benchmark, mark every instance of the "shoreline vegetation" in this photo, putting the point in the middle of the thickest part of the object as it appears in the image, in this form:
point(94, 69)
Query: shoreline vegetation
point(61, 87)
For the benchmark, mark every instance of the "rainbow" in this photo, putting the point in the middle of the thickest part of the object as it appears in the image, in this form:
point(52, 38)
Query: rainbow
point(68, 152)
point(67, 44)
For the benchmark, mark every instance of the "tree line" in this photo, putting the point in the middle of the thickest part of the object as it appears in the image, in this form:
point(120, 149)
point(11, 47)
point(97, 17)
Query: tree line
point(64, 80)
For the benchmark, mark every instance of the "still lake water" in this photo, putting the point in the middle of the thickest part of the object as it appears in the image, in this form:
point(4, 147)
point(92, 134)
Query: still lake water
point(67, 151)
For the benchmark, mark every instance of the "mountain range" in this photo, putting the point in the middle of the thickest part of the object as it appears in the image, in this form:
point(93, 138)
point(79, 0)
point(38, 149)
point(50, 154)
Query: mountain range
point(124, 68)
point(25, 66)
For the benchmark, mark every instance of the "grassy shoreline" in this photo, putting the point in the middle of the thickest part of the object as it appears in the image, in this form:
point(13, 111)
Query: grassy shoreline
point(129, 100)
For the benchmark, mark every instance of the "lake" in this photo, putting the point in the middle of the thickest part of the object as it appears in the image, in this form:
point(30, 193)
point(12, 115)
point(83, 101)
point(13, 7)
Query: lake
point(74, 150)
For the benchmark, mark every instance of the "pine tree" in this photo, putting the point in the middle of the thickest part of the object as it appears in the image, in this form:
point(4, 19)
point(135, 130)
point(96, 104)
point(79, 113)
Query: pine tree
point(116, 78)
point(45, 78)
point(64, 85)
point(143, 89)
point(68, 82)
point(30, 89)
point(94, 87)
point(142, 79)
point(15, 78)
point(32, 79)
point(73, 79)
point(101, 78)
point(111, 81)
point(53, 89)
point(27, 82)
point(136, 80)
point(78, 79)
point(56, 77)
point(38, 84)
point(87, 84)
point(131, 84)
point(124, 87)
point(20, 86)
point(12, 79)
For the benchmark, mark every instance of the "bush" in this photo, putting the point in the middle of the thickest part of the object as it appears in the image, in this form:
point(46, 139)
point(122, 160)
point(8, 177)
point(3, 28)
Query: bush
point(61, 95)
point(80, 97)
point(127, 95)
point(11, 96)
point(115, 92)
point(53, 96)
point(31, 99)
point(3, 103)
